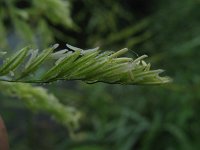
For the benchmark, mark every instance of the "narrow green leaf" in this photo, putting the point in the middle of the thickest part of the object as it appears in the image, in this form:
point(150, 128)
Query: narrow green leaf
point(74, 48)
point(78, 64)
point(119, 53)
point(53, 72)
point(36, 62)
point(14, 61)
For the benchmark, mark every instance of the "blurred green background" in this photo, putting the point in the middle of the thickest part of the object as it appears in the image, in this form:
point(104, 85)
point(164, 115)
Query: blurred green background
point(115, 117)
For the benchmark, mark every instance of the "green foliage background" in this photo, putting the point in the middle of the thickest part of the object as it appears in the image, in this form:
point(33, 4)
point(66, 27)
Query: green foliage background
point(114, 116)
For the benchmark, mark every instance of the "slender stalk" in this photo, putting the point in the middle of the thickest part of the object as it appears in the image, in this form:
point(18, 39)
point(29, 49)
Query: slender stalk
point(3, 136)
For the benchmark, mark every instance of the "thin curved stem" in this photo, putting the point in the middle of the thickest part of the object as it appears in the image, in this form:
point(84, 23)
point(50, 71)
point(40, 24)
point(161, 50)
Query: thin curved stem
point(3, 136)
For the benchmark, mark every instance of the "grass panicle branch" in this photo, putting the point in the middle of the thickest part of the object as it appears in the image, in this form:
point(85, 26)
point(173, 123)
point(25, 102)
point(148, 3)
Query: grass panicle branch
point(74, 63)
